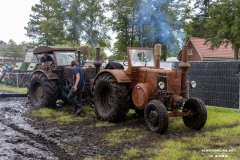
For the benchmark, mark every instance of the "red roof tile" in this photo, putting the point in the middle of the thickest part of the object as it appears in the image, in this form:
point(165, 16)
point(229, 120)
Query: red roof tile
point(204, 49)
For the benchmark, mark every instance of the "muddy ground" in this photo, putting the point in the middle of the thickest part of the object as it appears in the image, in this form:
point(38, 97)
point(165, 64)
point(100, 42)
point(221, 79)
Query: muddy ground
point(28, 134)
point(22, 137)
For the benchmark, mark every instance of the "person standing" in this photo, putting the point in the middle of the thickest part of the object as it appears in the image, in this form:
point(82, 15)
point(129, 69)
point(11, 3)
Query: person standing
point(75, 95)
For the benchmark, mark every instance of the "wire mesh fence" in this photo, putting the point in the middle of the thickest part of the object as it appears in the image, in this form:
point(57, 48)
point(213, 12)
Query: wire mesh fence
point(17, 79)
point(217, 83)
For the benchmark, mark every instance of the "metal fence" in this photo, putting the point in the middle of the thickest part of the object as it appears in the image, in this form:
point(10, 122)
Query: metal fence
point(20, 79)
point(218, 83)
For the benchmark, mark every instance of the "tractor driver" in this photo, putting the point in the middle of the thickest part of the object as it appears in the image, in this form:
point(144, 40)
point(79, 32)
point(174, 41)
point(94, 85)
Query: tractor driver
point(46, 58)
point(75, 95)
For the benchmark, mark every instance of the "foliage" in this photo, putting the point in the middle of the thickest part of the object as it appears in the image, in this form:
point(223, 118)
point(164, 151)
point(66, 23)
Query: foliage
point(2, 42)
point(145, 23)
point(224, 24)
point(46, 23)
point(195, 18)
point(13, 50)
point(63, 22)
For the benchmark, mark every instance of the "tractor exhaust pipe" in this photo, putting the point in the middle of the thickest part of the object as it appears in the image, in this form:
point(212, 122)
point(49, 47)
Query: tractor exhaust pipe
point(157, 54)
point(97, 61)
point(184, 66)
point(79, 57)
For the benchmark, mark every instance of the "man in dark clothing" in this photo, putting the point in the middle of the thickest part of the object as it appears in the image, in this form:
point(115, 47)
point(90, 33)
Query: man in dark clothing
point(75, 95)
point(46, 58)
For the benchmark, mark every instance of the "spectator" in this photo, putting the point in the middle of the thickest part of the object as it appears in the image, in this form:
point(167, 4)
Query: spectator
point(4, 72)
point(0, 71)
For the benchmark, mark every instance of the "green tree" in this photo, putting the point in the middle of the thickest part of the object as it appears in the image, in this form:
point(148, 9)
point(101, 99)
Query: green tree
point(94, 24)
point(73, 21)
point(145, 23)
point(2, 42)
point(123, 16)
point(15, 51)
point(201, 13)
point(46, 25)
point(224, 24)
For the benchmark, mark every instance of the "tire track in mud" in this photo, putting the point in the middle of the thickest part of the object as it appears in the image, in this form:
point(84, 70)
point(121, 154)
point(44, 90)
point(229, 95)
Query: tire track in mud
point(10, 118)
point(52, 146)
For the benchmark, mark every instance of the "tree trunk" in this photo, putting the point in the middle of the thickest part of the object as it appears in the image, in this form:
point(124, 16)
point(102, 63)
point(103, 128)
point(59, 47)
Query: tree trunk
point(236, 53)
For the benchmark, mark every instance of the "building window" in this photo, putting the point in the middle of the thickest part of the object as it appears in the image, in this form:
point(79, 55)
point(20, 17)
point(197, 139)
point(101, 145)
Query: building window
point(190, 53)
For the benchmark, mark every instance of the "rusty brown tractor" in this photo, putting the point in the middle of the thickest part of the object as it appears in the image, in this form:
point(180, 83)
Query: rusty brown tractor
point(52, 81)
point(153, 92)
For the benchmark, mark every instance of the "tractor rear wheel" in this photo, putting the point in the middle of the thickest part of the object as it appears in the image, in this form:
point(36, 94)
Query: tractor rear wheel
point(42, 92)
point(65, 90)
point(110, 98)
point(156, 116)
point(198, 116)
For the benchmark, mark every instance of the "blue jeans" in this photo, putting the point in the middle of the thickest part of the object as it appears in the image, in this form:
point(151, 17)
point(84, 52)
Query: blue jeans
point(75, 98)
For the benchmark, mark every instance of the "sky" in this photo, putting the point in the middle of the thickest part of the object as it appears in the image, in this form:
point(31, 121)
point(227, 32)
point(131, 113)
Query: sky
point(14, 16)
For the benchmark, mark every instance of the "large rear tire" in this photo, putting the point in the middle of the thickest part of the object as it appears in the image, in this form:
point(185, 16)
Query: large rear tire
point(156, 116)
point(42, 92)
point(198, 116)
point(110, 98)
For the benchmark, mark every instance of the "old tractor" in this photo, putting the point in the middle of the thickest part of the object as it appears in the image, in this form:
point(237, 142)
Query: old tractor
point(52, 81)
point(156, 93)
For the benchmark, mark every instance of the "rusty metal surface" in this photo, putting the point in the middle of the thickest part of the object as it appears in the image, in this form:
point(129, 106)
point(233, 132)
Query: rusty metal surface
point(43, 49)
point(184, 66)
point(176, 113)
point(157, 54)
point(150, 75)
point(49, 74)
point(66, 73)
point(119, 75)
point(142, 93)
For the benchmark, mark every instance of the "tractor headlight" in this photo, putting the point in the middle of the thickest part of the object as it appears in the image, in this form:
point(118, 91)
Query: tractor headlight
point(193, 84)
point(161, 85)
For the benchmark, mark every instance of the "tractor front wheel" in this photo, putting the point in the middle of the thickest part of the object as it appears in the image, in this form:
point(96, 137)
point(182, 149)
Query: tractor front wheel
point(198, 113)
point(156, 116)
point(110, 98)
point(42, 91)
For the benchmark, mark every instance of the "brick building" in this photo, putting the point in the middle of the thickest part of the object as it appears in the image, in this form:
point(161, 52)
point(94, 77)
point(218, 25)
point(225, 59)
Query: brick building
point(200, 50)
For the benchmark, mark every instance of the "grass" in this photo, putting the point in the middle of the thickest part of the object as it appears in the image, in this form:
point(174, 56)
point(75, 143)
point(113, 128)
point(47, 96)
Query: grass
point(7, 88)
point(222, 132)
point(71, 149)
point(132, 153)
point(124, 135)
point(60, 116)
point(104, 124)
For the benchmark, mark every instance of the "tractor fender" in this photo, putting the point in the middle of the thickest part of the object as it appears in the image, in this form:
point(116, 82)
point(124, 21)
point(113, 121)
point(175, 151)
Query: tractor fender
point(119, 75)
point(48, 74)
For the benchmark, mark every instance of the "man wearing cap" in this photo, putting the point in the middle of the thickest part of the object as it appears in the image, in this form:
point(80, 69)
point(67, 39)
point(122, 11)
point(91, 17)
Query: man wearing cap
point(75, 95)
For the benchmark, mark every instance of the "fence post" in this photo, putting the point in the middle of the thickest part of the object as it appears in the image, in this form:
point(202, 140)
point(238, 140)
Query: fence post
point(239, 94)
point(17, 79)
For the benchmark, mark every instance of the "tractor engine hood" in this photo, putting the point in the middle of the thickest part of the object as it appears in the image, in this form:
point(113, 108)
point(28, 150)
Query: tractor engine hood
point(170, 78)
